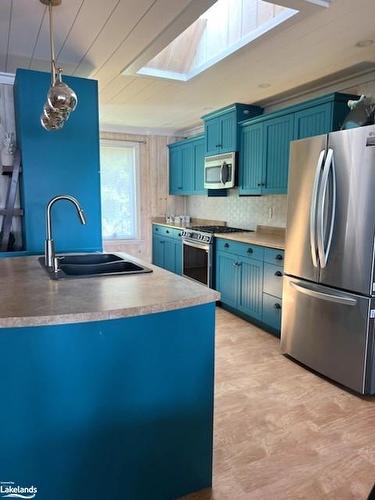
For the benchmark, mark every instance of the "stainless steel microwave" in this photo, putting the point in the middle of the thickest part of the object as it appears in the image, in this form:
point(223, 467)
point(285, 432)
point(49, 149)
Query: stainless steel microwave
point(219, 171)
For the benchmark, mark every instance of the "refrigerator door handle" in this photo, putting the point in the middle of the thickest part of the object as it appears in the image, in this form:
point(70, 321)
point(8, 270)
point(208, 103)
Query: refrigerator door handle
point(348, 301)
point(329, 166)
point(313, 208)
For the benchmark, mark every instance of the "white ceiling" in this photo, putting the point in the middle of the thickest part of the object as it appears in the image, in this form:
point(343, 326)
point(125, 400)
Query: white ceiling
point(99, 39)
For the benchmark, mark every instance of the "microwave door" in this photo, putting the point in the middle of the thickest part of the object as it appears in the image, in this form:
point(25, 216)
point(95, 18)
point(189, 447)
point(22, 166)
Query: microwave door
point(213, 175)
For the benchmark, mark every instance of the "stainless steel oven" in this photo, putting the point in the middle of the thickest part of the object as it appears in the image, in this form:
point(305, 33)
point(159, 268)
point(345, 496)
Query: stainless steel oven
point(197, 257)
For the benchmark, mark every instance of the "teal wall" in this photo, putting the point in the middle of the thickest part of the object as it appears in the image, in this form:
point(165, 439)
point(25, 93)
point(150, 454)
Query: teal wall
point(59, 162)
point(119, 410)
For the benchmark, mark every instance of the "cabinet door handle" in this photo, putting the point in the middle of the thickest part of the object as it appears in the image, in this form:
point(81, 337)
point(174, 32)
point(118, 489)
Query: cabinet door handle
point(279, 257)
point(278, 273)
point(235, 263)
point(250, 250)
point(277, 306)
point(261, 183)
point(156, 229)
point(226, 245)
point(167, 231)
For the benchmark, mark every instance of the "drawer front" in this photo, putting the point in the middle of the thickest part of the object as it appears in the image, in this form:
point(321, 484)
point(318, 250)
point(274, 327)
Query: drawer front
point(272, 310)
point(273, 279)
point(241, 249)
point(171, 232)
point(274, 256)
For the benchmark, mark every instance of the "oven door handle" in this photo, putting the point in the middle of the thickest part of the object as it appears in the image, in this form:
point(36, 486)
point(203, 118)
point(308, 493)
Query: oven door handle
point(196, 245)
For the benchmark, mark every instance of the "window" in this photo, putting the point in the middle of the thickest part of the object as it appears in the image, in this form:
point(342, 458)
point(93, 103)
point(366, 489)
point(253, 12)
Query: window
point(223, 29)
point(119, 189)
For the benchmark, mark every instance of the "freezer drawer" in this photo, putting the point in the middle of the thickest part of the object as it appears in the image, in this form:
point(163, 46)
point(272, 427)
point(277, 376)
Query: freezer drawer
point(327, 330)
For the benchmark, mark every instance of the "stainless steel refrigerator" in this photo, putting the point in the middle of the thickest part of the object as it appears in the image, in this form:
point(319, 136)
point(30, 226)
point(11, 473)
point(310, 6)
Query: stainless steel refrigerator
point(329, 284)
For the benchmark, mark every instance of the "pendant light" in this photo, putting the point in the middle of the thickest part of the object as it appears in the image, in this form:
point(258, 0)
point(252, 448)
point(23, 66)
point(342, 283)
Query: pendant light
point(61, 99)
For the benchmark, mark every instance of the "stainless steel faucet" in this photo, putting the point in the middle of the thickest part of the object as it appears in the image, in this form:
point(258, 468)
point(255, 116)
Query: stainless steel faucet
point(50, 258)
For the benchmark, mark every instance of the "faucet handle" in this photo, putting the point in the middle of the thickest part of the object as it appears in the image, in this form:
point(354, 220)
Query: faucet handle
point(56, 268)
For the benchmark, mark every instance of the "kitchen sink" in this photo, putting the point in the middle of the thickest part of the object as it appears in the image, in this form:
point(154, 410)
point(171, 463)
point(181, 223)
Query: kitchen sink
point(93, 265)
point(89, 259)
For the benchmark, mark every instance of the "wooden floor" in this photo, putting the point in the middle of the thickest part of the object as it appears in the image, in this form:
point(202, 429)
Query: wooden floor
point(282, 432)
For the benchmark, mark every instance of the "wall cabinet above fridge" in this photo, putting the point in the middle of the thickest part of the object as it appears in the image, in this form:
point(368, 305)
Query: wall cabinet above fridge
point(265, 140)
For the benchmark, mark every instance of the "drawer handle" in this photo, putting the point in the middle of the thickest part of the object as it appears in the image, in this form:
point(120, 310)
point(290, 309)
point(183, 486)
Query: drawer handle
point(250, 250)
point(261, 183)
point(179, 234)
point(162, 242)
point(156, 229)
point(277, 306)
point(278, 273)
point(226, 245)
point(237, 264)
point(167, 231)
point(279, 257)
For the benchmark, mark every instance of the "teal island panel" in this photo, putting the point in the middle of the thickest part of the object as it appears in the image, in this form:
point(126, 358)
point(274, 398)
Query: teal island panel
point(119, 409)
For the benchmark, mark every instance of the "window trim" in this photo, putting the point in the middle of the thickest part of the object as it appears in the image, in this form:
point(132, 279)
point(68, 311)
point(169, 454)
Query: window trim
point(108, 143)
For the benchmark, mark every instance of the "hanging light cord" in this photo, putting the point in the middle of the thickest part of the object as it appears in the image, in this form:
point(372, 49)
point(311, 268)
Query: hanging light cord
point(53, 63)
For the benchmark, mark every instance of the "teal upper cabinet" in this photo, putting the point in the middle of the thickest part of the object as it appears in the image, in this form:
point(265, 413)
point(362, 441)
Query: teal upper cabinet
point(221, 127)
point(213, 135)
point(186, 167)
point(265, 141)
point(199, 166)
point(251, 159)
point(278, 133)
point(264, 156)
point(312, 121)
point(175, 171)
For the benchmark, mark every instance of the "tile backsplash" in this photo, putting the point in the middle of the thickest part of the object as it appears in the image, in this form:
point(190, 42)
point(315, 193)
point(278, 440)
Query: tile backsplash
point(245, 212)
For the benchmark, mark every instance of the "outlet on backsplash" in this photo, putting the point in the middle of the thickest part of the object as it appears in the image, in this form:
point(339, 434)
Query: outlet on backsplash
point(270, 213)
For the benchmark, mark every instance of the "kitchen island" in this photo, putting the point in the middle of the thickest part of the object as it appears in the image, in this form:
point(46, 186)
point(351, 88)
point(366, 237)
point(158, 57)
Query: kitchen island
point(106, 383)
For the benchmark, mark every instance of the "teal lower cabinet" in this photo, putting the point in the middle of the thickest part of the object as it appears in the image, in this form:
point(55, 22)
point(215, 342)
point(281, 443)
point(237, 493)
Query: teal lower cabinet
point(250, 287)
point(167, 248)
point(227, 278)
point(272, 308)
point(249, 278)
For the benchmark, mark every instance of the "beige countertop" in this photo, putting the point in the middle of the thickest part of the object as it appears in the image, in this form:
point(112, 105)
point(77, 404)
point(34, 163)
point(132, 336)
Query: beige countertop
point(263, 236)
point(29, 298)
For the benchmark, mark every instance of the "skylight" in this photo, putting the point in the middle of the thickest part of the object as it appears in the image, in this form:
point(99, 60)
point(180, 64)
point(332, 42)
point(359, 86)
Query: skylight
point(223, 29)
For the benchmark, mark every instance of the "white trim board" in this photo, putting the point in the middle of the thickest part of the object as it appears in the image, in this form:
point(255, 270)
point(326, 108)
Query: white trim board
point(7, 78)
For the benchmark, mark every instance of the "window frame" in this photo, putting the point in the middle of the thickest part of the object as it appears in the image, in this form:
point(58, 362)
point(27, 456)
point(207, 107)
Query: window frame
point(123, 143)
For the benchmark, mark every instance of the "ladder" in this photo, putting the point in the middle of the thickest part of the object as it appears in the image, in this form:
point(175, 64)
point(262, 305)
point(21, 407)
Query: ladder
point(9, 211)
